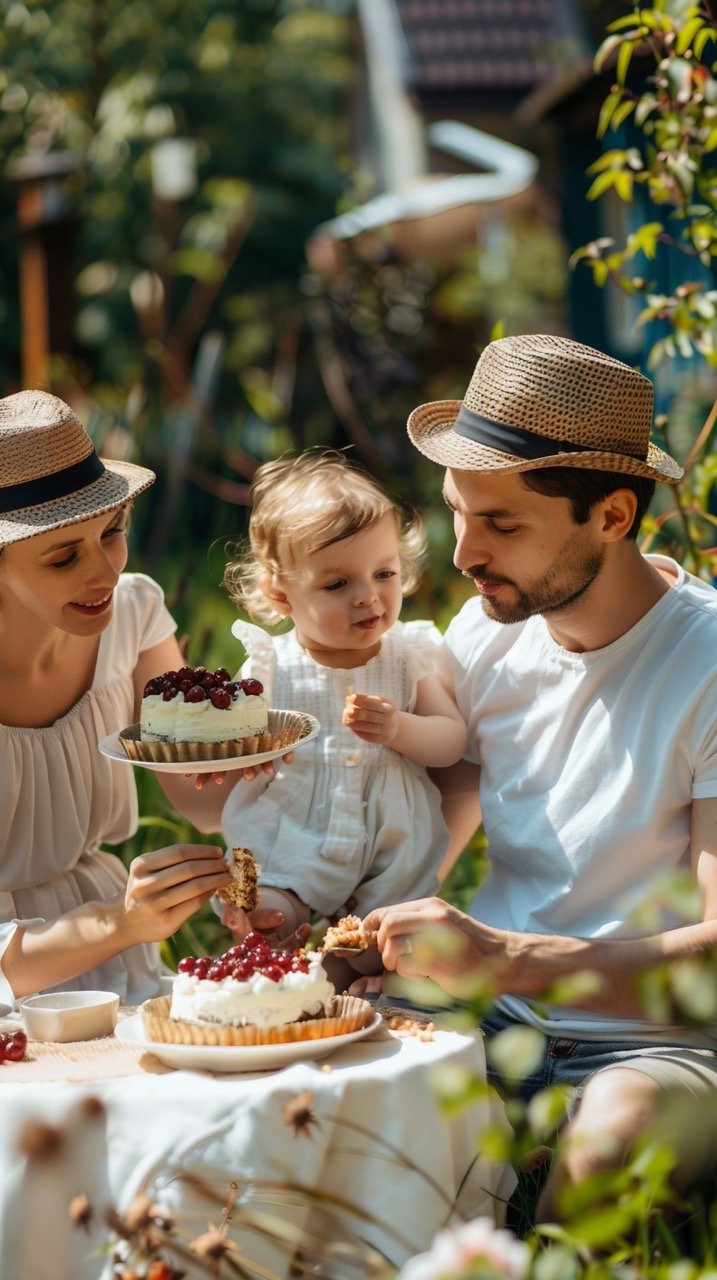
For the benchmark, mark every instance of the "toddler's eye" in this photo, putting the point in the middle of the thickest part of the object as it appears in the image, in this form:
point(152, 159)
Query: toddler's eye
point(334, 586)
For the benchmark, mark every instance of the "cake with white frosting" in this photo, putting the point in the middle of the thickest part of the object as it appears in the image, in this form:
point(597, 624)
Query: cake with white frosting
point(253, 995)
point(251, 984)
point(197, 714)
point(197, 705)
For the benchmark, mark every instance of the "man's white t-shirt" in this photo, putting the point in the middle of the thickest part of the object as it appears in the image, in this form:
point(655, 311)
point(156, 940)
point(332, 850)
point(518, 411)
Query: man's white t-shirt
point(589, 765)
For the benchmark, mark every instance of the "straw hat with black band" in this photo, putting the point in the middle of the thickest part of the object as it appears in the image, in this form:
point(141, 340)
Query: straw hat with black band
point(538, 400)
point(50, 474)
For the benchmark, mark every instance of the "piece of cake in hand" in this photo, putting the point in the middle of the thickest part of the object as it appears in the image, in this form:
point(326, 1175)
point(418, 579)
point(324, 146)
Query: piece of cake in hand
point(347, 934)
point(243, 891)
point(253, 994)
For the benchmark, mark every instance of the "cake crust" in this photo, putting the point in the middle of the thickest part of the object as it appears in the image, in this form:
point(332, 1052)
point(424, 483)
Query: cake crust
point(344, 1014)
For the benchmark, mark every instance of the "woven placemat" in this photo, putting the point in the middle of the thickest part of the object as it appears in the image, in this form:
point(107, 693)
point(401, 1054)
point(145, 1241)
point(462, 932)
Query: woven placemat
point(76, 1061)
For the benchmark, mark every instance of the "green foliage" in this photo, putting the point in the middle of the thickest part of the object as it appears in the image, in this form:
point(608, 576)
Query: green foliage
point(673, 116)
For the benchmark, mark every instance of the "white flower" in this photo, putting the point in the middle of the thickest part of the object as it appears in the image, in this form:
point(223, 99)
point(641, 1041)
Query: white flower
point(454, 1253)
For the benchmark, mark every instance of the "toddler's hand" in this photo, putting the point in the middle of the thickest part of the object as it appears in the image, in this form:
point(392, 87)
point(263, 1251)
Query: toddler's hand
point(371, 717)
point(267, 921)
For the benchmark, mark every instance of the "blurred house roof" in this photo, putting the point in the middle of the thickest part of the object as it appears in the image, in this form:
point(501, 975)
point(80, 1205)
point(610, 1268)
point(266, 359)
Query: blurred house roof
point(482, 46)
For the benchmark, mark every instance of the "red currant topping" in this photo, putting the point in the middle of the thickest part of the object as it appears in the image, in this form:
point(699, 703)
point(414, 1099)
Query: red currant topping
point(152, 686)
point(222, 674)
point(220, 698)
point(187, 964)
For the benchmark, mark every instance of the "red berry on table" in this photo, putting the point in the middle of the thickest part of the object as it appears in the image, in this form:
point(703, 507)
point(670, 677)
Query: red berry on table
point(220, 698)
point(195, 694)
point(12, 1046)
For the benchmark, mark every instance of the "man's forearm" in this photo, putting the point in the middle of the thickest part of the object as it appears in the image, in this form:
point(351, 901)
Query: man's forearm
point(535, 963)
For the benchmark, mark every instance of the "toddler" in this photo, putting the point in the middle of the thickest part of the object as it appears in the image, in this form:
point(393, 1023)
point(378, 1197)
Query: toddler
point(355, 817)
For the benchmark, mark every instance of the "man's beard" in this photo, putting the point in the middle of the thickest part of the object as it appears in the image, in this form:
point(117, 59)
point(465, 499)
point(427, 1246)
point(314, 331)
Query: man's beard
point(568, 578)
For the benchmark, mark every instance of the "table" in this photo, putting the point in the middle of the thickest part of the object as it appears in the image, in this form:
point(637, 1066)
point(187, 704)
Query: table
point(377, 1125)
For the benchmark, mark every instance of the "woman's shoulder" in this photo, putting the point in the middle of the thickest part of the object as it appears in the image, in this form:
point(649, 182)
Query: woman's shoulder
point(138, 587)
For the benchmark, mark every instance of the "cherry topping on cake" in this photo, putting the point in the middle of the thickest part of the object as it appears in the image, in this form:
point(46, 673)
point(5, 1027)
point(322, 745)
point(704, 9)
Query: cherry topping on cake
point(195, 694)
point(192, 682)
point(252, 688)
point(241, 962)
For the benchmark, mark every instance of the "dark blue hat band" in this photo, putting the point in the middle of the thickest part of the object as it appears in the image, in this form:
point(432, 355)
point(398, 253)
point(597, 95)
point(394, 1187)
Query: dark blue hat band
point(513, 440)
point(33, 493)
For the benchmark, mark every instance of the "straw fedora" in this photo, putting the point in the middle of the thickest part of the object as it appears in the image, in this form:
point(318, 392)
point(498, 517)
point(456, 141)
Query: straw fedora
point(50, 474)
point(544, 401)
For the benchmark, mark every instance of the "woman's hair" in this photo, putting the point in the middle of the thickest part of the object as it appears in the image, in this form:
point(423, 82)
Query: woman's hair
point(585, 487)
point(305, 502)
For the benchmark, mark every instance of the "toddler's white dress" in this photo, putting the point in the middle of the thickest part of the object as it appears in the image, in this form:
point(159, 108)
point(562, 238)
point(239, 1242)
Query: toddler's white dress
point(347, 818)
point(62, 799)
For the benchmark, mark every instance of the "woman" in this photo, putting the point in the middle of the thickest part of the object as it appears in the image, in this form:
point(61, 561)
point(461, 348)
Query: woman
point(78, 639)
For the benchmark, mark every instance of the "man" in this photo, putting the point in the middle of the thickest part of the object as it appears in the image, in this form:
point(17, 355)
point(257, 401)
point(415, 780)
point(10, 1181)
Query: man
point(586, 674)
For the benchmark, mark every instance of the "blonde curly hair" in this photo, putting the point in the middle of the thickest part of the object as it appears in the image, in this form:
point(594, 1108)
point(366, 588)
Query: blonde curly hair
point(307, 501)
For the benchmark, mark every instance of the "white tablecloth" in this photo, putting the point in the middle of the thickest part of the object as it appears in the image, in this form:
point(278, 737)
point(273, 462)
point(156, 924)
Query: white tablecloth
point(233, 1127)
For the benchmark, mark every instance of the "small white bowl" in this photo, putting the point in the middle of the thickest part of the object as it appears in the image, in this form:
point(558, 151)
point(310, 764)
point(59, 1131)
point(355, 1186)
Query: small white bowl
point(70, 1015)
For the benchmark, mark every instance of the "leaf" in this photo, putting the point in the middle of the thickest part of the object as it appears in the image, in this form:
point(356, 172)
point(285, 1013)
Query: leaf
point(646, 104)
point(705, 36)
point(602, 183)
point(687, 34)
point(623, 111)
point(644, 239)
point(602, 1227)
point(623, 185)
point(607, 48)
point(624, 58)
point(517, 1052)
point(611, 159)
point(607, 111)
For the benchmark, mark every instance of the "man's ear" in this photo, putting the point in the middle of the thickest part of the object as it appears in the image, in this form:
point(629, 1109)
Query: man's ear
point(618, 514)
point(276, 596)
